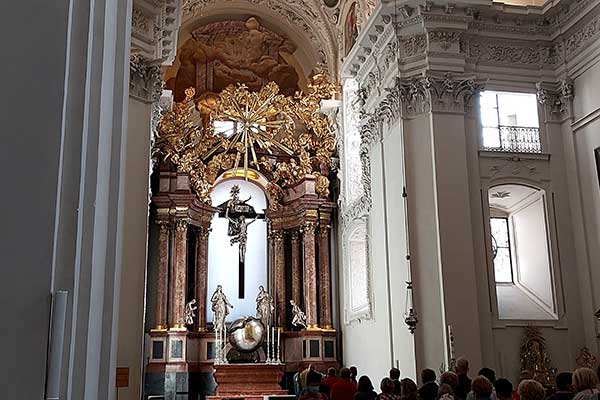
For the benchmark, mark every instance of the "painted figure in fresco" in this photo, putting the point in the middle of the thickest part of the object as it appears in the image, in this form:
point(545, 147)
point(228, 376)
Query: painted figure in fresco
point(299, 316)
point(190, 308)
point(264, 307)
point(220, 308)
point(223, 53)
point(350, 29)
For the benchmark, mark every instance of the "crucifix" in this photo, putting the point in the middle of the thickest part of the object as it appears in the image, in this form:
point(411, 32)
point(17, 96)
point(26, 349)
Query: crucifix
point(237, 212)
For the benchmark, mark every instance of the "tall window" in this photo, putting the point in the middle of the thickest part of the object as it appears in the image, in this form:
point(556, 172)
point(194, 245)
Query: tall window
point(501, 250)
point(509, 122)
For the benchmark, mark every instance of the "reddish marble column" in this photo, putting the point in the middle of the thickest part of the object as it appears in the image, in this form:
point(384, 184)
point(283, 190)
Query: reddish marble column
point(310, 276)
point(296, 269)
point(178, 279)
point(324, 278)
point(201, 275)
point(279, 272)
point(160, 318)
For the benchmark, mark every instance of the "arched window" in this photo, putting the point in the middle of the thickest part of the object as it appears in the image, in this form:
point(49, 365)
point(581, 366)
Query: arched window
point(521, 257)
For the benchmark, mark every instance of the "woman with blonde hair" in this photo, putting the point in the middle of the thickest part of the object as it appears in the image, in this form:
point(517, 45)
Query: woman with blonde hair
point(585, 384)
point(531, 390)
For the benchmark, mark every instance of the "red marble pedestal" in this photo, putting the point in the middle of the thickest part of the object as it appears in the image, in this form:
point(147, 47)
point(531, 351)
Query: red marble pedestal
point(249, 381)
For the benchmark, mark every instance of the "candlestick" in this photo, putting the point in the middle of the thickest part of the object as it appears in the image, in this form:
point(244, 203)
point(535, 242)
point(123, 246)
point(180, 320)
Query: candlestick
point(273, 344)
point(216, 355)
point(268, 360)
point(451, 347)
point(278, 348)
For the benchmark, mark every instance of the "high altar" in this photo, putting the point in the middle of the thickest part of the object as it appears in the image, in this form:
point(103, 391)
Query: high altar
point(213, 150)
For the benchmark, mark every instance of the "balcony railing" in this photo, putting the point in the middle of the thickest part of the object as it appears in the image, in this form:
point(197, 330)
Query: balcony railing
point(518, 139)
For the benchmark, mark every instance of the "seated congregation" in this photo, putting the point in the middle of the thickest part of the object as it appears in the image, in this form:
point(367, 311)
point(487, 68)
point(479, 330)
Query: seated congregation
point(309, 384)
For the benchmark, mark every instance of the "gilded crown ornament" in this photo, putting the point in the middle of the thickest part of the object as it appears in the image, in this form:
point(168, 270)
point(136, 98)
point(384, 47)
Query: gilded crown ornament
point(283, 137)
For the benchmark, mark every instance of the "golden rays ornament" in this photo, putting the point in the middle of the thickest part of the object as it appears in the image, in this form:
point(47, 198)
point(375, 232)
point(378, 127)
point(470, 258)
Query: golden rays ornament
point(283, 137)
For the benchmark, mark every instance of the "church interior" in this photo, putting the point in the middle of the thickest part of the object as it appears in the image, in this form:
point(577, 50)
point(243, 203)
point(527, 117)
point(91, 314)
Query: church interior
point(241, 199)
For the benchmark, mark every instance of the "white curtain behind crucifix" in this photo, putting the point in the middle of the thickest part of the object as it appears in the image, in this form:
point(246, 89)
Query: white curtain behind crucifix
point(223, 259)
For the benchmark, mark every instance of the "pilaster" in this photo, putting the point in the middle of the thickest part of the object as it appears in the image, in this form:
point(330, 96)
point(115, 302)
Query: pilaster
point(279, 271)
point(324, 275)
point(179, 277)
point(310, 274)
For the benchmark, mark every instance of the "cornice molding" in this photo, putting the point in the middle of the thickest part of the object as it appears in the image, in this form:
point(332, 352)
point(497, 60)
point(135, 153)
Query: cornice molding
point(524, 37)
point(154, 29)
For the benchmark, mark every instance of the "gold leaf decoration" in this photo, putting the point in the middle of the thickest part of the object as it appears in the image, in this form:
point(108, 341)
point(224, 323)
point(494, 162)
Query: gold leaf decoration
point(283, 137)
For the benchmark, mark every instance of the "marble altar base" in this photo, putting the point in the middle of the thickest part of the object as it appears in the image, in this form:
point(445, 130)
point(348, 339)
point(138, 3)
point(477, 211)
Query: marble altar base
point(248, 381)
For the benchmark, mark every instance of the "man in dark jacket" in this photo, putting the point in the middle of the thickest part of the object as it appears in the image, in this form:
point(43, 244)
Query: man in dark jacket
point(429, 389)
point(464, 382)
point(564, 389)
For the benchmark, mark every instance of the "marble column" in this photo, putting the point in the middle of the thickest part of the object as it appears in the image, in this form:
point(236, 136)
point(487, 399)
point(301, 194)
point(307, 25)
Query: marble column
point(310, 276)
point(201, 275)
point(324, 278)
point(178, 279)
point(279, 272)
point(296, 269)
point(162, 278)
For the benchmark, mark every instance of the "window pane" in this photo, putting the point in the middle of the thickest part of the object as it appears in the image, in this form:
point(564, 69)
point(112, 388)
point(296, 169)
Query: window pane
point(502, 266)
point(500, 231)
point(501, 243)
point(491, 138)
point(518, 109)
point(225, 128)
point(489, 109)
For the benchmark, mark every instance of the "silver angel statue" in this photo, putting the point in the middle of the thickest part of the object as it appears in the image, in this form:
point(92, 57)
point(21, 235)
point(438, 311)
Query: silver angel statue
point(264, 307)
point(220, 308)
point(190, 307)
point(299, 318)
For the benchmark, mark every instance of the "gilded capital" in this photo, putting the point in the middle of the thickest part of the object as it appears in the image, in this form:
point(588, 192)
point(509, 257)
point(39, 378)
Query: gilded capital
point(181, 225)
point(163, 225)
point(278, 236)
point(203, 232)
point(309, 228)
point(324, 231)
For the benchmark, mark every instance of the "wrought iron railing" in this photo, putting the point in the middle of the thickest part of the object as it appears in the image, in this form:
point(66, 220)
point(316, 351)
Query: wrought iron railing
point(518, 139)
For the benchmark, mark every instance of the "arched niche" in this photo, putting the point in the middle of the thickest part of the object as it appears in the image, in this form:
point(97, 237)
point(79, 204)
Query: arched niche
point(223, 258)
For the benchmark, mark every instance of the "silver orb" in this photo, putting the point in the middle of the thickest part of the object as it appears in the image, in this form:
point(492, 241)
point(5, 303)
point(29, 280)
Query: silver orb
point(246, 334)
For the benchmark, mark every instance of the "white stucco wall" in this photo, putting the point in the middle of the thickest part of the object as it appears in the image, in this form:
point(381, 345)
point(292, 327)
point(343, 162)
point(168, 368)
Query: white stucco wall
point(366, 343)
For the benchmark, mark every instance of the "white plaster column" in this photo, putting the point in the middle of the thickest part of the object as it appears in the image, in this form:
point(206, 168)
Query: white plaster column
point(439, 212)
point(131, 307)
point(89, 214)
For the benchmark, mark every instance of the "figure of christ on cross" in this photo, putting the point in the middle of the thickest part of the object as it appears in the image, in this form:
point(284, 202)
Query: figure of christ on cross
point(237, 212)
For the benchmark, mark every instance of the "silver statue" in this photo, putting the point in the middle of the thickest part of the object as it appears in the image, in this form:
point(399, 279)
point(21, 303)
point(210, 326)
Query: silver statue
point(238, 227)
point(190, 307)
point(220, 308)
point(299, 316)
point(264, 307)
